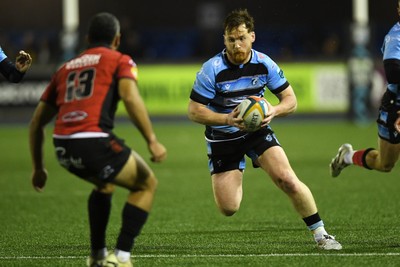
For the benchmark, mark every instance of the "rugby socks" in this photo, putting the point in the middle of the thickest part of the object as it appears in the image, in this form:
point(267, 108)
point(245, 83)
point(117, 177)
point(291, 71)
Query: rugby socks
point(133, 219)
point(99, 207)
point(358, 158)
point(316, 226)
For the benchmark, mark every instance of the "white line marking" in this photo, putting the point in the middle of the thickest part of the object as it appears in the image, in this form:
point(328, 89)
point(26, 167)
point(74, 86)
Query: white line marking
point(394, 254)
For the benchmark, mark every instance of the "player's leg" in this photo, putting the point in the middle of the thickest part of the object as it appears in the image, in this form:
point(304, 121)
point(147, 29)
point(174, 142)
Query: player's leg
point(275, 162)
point(227, 188)
point(384, 158)
point(99, 208)
point(139, 179)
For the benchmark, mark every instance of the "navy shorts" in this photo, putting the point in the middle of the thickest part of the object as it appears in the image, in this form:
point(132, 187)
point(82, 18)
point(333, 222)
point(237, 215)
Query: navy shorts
point(230, 155)
point(100, 158)
point(387, 117)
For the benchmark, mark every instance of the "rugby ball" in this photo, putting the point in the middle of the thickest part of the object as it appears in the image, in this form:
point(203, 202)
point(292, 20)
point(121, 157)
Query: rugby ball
point(253, 110)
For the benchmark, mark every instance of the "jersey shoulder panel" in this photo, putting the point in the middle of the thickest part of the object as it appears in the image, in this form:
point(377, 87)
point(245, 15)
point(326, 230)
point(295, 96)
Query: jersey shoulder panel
point(204, 84)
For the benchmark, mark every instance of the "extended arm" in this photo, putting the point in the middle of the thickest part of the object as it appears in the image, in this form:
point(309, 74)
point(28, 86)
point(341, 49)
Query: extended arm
point(42, 115)
point(287, 105)
point(15, 73)
point(137, 112)
point(200, 113)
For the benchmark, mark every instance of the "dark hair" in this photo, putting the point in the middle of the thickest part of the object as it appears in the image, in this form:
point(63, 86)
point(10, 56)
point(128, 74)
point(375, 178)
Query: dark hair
point(238, 17)
point(103, 28)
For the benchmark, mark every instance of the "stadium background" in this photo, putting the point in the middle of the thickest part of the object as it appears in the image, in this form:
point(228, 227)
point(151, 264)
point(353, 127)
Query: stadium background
point(311, 41)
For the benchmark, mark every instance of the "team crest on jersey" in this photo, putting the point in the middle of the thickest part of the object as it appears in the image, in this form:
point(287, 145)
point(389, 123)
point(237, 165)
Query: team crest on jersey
point(217, 62)
point(227, 87)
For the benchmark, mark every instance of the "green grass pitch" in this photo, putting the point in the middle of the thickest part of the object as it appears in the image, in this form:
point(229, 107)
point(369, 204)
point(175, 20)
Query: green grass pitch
point(361, 207)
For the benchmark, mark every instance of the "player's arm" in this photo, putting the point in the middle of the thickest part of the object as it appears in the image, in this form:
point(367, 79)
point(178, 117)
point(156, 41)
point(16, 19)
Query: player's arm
point(287, 105)
point(42, 116)
point(23, 61)
point(137, 112)
point(200, 113)
point(392, 72)
point(15, 72)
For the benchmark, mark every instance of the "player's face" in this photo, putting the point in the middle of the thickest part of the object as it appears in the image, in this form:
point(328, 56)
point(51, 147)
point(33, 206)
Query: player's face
point(398, 8)
point(238, 44)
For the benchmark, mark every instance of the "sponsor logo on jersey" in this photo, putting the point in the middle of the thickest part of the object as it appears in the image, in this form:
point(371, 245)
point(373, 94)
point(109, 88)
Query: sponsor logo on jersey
point(83, 61)
point(74, 116)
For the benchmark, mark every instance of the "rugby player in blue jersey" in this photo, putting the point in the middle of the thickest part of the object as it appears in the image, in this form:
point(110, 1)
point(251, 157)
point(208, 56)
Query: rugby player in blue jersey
point(14, 72)
point(222, 83)
point(384, 158)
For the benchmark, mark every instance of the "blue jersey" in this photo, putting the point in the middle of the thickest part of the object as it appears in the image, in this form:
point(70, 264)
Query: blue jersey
point(391, 49)
point(2, 55)
point(221, 86)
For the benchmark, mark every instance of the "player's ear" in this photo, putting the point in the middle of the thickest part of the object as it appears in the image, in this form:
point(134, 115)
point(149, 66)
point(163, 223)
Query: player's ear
point(116, 42)
point(253, 36)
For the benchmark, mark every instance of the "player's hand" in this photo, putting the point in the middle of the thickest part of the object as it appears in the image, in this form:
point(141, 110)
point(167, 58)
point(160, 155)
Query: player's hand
point(158, 151)
point(269, 116)
point(233, 120)
point(23, 61)
point(397, 122)
point(39, 178)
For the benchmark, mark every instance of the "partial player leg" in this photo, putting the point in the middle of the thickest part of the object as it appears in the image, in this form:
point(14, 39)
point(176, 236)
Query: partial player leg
point(385, 158)
point(136, 176)
point(276, 164)
point(382, 159)
point(99, 207)
point(339, 162)
point(274, 161)
point(228, 192)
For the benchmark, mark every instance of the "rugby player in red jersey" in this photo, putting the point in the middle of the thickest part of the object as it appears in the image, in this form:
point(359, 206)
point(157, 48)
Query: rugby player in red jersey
point(83, 96)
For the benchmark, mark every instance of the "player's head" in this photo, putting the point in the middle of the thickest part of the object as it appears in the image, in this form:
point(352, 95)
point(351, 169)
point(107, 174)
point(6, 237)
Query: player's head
point(104, 28)
point(239, 36)
point(398, 7)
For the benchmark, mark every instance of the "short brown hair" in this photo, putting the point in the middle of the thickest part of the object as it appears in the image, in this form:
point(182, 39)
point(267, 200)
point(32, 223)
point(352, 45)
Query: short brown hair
point(238, 17)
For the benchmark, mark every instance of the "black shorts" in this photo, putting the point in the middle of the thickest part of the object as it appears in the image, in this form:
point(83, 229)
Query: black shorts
point(230, 155)
point(387, 117)
point(100, 158)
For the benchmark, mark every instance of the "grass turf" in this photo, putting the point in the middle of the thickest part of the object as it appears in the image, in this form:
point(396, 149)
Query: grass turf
point(185, 229)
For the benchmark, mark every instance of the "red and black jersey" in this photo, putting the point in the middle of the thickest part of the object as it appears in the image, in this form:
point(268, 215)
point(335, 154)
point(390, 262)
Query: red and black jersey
point(85, 91)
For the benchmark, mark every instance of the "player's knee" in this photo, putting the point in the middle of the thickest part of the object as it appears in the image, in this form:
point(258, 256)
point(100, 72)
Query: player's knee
point(288, 184)
point(152, 182)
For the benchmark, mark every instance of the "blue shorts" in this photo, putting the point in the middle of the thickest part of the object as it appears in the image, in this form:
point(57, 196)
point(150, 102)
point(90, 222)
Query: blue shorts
point(100, 158)
point(387, 117)
point(230, 155)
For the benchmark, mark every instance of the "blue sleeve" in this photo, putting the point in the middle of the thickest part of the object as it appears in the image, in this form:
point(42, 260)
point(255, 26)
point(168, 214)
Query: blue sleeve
point(391, 47)
point(276, 81)
point(204, 85)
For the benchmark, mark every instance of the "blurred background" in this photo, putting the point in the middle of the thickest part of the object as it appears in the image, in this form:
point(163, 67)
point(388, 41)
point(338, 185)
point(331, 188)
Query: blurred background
point(331, 58)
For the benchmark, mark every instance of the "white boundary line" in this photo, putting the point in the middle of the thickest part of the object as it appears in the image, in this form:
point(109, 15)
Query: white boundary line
point(391, 254)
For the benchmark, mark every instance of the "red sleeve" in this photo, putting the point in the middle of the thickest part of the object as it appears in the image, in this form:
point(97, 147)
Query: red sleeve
point(127, 68)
